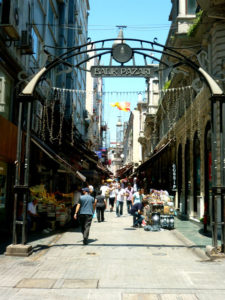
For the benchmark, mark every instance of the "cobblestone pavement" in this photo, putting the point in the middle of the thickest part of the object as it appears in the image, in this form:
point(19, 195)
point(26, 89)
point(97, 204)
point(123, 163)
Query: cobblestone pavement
point(120, 262)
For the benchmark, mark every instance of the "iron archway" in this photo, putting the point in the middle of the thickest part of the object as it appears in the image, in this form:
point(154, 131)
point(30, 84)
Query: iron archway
point(143, 48)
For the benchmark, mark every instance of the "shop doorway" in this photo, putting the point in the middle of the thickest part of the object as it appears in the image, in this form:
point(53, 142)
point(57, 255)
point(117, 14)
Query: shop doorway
point(208, 172)
point(196, 173)
point(187, 176)
point(179, 175)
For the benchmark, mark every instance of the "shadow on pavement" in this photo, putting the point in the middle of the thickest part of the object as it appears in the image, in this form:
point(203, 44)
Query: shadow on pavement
point(90, 241)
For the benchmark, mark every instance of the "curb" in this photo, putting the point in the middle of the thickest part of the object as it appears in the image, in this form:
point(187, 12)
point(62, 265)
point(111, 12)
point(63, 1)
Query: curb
point(199, 252)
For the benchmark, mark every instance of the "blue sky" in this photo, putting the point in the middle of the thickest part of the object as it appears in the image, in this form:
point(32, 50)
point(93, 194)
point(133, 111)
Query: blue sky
point(145, 19)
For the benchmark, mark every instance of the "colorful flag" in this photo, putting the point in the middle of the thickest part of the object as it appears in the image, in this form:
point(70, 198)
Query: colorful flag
point(125, 106)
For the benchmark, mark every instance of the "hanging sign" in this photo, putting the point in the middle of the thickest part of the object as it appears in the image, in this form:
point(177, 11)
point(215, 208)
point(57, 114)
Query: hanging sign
point(125, 71)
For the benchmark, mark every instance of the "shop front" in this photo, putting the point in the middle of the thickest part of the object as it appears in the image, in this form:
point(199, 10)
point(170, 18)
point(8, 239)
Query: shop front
point(7, 150)
point(159, 171)
point(7, 169)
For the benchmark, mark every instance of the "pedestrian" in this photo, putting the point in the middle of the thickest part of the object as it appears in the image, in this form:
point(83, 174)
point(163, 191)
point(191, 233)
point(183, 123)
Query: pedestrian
point(104, 188)
point(137, 213)
point(138, 196)
point(135, 185)
point(112, 196)
point(119, 200)
point(76, 193)
point(129, 195)
point(36, 219)
point(101, 205)
point(86, 207)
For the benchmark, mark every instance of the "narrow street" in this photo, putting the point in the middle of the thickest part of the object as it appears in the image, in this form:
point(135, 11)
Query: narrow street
point(120, 262)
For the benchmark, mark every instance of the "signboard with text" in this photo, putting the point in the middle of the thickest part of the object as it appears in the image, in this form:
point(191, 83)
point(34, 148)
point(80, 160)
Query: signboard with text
point(125, 71)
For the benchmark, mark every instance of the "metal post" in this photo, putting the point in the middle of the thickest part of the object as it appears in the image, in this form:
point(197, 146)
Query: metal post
point(222, 224)
point(148, 95)
point(222, 130)
point(214, 116)
point(18, 170)
point(26, 175)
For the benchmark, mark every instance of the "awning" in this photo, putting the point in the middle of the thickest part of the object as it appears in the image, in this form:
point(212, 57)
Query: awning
point(153, 156)
point(124, 170)
point(48, 151)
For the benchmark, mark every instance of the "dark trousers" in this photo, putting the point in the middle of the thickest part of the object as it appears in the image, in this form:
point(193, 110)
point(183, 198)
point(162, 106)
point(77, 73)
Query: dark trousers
point(100, 213)
point(85, 222)
point(128, 206)
point(119, 208)
point(111, 202)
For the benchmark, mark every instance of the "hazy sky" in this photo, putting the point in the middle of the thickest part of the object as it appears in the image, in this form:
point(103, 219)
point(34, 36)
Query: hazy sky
point(145, 19)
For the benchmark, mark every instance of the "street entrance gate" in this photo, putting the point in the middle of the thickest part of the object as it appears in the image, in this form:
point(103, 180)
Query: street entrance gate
point(121, 52)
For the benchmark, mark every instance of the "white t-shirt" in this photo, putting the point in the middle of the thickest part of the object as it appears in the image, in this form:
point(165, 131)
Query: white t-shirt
point(120, 195)
point(104, 188)
point(32, 208)
point(112, 193)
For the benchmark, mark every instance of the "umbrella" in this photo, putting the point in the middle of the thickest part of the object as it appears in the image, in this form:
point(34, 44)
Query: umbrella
point(109, 180)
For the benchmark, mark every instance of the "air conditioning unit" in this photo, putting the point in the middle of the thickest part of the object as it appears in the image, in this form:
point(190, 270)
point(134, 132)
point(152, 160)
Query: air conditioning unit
point(2, 94)
point(10, 20)
point(76, 13)
point(2, 90)
point(26, 42)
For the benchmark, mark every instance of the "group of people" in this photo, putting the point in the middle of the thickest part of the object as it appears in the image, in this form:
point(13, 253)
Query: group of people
point(114, 193)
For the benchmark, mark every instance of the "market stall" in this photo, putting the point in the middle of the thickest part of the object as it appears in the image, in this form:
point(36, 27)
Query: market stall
point(159, 213)
point(55, 206)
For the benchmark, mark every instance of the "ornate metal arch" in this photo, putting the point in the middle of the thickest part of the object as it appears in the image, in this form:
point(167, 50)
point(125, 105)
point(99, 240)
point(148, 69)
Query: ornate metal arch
point(141, 47)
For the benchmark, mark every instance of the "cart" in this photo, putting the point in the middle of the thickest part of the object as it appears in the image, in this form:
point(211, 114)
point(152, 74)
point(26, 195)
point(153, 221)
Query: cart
point(160, 213)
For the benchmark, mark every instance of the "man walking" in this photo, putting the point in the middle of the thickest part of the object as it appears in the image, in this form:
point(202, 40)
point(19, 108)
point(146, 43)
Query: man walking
point(86, 205)
point(119, 201)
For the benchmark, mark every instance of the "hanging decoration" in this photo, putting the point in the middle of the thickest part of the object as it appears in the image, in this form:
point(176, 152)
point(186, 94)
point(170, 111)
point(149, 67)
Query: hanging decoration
point(124, 106)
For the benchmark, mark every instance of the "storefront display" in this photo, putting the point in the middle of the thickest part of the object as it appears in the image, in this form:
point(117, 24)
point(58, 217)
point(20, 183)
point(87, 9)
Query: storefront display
point(159, 213)
point(56, 206)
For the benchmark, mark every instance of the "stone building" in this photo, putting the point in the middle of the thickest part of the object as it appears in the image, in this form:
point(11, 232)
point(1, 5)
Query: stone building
point(181, 131)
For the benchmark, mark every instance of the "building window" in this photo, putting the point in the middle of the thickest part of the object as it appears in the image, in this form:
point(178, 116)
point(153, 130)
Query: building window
point(35, 44)
point(191, 6)
point(5, 95)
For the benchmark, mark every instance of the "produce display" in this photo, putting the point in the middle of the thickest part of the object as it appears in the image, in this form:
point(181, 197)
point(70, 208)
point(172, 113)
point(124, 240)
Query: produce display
point(57, 206)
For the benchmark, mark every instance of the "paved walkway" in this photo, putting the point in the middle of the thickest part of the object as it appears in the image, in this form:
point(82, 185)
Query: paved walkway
point(120, 262)
point(193, 232)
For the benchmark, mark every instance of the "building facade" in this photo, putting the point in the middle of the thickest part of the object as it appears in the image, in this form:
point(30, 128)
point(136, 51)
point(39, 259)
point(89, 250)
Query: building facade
point(180, 134)
point(32, 34)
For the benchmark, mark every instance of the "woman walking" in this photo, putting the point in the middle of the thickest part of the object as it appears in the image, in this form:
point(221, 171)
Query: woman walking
point(100, 206)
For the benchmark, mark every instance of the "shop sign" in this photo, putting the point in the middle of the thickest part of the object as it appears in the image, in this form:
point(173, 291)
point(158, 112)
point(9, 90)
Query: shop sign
point(125, 71)
point(174, 176)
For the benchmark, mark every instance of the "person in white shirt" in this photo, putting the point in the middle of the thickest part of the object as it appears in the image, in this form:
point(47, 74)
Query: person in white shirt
point(119, 201)
point(104, 188)
point(34, 218)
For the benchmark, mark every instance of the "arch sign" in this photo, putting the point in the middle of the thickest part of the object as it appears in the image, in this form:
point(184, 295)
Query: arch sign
point(125, 71)
point(122, 53)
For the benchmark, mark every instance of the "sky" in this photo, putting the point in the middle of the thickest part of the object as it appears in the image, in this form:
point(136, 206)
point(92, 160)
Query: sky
point(146, 20)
